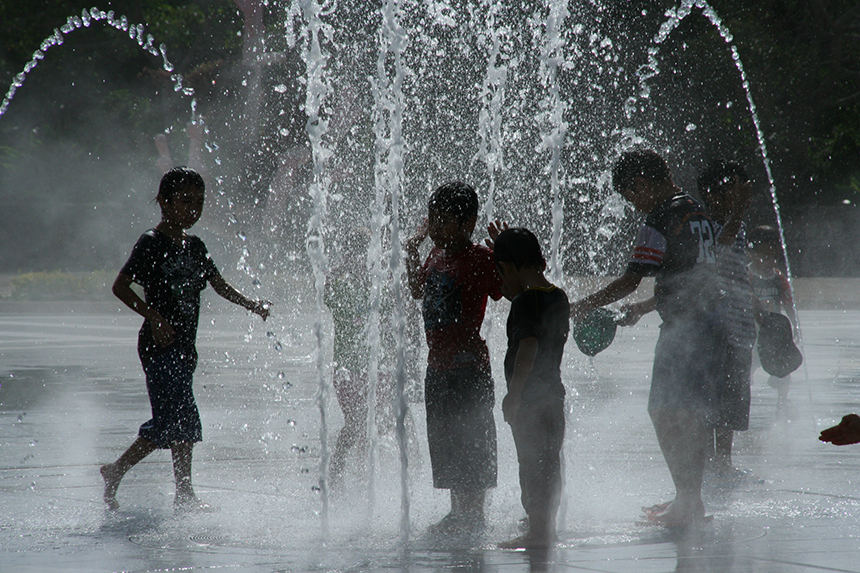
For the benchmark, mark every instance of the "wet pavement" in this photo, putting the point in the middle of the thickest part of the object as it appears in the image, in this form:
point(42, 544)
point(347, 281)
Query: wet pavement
point(72, 396)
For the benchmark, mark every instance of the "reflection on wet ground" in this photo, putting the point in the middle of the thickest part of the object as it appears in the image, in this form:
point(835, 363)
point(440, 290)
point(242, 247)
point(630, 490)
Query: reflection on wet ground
point(72, 397)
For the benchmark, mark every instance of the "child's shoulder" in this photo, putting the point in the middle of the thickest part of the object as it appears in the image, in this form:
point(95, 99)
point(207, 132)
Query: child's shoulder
point(481, 260)
point(196, 239)
point(152, 234)
point(479, 251)
point(150, 239)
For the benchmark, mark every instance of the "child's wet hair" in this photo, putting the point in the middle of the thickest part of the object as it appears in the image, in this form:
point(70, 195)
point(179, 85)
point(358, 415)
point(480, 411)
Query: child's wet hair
point(639, 163)
point(519, 246)
point(457, 199)
point(177, 179)
point(763, 235)
point(718, 175)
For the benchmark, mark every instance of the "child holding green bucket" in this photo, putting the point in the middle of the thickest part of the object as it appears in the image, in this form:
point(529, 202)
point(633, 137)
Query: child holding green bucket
point(676, 245)
point(726, 191)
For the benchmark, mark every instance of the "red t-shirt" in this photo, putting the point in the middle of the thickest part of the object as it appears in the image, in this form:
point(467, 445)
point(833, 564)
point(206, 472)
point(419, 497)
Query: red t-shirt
point(456, 288)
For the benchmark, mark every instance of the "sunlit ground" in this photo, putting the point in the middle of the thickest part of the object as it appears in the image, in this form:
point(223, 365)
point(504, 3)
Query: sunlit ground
point(72, 396)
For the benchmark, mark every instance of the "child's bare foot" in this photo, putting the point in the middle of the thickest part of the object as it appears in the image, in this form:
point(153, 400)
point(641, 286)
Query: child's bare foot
point(191, 504)
point(527, 541)
point(678, 513)
point(659, 508)
point(457, 525)
point(112, 478)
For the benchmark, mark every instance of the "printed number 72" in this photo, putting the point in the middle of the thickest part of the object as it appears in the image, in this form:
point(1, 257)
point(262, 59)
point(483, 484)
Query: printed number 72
point(705, 234)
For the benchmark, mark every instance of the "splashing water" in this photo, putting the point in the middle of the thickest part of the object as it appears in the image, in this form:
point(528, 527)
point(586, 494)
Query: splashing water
point(499, 141)
point(390, 147)
point(651, 69)
point(491, 149)
point(135, 32)
point(315, 58)
point(551, 59)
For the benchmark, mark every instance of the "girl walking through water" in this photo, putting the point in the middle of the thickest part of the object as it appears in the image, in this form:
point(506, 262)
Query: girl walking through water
point(172, 267)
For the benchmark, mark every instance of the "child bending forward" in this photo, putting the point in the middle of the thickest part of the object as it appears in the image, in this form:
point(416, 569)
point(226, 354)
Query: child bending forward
point(537, 330)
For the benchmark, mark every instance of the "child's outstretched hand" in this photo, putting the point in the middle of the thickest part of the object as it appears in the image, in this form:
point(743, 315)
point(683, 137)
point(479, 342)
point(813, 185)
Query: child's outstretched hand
point(510, 408)
point(844, 433)
point(493, 230)
point(628, 315)
point(261, 307)
point(631, 313)
point(413, 242)
point(739, 196)
point(162, 332)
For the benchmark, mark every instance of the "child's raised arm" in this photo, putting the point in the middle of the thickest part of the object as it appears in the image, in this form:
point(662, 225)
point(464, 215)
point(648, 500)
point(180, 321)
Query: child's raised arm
point(162, 332)
point(226, 291)
point(616, 290)
point(494, 229)
point(413, 264)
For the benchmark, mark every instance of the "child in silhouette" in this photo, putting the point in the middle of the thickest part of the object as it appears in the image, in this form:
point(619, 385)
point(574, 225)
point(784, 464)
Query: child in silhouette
point(172, 267)
point(676, 245)
point(773, 294)
point(348, 296)
point(726, 190)
point(454, 283)
point(537, 330)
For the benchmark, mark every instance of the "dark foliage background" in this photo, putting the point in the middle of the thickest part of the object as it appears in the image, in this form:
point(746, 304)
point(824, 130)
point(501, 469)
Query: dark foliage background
point(77, 159)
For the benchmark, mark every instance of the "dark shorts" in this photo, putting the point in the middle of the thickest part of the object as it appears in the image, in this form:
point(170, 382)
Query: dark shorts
point(733, 390)
point(688, 363)
point(461, 430)
point(174, 412)
point(538, 436)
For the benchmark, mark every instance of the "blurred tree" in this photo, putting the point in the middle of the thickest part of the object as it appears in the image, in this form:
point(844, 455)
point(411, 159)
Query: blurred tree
point(88, 112)
point(78, 135)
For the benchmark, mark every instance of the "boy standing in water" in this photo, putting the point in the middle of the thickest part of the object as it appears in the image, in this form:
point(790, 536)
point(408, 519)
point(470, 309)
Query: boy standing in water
point(347, 294)
point(454, 283)
point(537, 330)
point(172, 267)
point(676, 245)
point(773, 294)
point(725, 188)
